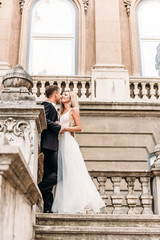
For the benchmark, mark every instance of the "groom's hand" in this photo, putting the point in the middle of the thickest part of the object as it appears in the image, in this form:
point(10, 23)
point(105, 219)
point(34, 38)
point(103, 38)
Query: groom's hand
point(62, 130)
point(58, 123)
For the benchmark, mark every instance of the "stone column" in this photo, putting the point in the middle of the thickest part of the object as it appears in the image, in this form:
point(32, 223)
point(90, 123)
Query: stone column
point(21, 119)
point(110, 80)
point(21, 122)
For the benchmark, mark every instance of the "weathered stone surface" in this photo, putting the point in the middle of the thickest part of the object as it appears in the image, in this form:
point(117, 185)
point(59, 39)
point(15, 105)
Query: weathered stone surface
point(18, 194)
point(118, 136)
point(95, 227)
point(21, 126)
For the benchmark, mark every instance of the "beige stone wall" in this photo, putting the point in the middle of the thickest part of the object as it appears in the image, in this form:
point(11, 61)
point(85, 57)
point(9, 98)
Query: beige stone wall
point(106, 34)
point(16, 214)
point(9, 31)
point(118, 137)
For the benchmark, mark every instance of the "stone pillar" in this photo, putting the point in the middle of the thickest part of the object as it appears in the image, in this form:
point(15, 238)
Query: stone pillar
point(108, 36)
point(18, 195)
point(110, 83)
point(110, 80)
point(21, 119)
point(21, 122)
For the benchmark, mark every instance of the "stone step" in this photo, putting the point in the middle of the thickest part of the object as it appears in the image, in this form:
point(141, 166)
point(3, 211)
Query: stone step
point(95, 233)
point(98, 220)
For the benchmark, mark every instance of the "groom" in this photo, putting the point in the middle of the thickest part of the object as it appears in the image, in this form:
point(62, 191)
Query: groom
point(49, 146)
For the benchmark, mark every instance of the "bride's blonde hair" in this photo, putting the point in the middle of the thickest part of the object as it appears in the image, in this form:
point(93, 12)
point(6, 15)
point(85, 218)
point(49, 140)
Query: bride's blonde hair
point(74, 102)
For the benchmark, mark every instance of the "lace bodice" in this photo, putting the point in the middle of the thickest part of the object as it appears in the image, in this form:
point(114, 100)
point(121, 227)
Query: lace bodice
point(64, 120)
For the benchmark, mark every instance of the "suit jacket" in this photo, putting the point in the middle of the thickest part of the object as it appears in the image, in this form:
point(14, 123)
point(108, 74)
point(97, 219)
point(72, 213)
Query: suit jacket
point(49, 136)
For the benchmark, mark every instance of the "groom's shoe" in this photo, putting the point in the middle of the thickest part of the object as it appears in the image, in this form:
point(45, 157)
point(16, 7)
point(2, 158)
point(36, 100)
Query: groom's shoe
point(48, 211)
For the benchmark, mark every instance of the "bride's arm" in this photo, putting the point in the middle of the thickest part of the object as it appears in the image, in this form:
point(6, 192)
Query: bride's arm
point(76, 117)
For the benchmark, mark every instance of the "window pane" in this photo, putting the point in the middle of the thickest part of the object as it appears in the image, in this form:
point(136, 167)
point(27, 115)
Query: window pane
point(148, 53)
point(53, 17)
point(149, 19)
point(52, 57)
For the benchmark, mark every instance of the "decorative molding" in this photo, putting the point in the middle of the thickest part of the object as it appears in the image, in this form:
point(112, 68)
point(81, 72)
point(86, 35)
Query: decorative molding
point(13, 128)
point(19, 134)
point(21, 2)
point(127, 4)
point(86, 4)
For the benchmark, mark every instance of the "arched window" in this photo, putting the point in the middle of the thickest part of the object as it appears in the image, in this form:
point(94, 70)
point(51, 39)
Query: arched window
point(148, 14)
point(52, 44)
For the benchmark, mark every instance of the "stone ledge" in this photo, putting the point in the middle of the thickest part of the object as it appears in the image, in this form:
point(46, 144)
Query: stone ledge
point(106, 217)
point(120, 109)
point(31, 112)
point(14, 169)
point(96, 230)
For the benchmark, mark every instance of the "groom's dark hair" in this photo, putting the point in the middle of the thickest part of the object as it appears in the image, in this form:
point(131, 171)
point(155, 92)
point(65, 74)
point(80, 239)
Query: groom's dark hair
point(51, 89)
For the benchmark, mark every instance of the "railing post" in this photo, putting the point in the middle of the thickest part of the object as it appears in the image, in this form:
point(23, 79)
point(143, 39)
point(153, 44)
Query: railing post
point(117, 197)
point(146, 197)
point(144, 92)
point(152, 91)
point(34, 89)
point(131, 197)
point(136, 91)
point(42, 90)
point(83, 90)
point(102, 182)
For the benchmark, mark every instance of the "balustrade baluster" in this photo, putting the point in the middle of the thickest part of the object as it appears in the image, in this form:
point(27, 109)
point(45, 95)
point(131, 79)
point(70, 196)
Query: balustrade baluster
point(59, 84)
point(152, 92)
point(146, 198)
point(158, 91)
point(34, 89)
point(83, 90)
point(42, 90)
point(144, 91)
point(136, 91)
point(67, 85)
point(131, 197)
point(75, 89)
point(117, 197)
point(102, 182)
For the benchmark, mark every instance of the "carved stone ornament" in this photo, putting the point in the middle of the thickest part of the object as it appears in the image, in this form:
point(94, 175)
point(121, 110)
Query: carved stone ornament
point(127, 4)
point(86, 4)
point(18, 133)
point(21, 2)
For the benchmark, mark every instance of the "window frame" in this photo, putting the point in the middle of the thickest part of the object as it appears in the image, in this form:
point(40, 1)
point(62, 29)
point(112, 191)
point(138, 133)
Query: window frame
point(74, 37)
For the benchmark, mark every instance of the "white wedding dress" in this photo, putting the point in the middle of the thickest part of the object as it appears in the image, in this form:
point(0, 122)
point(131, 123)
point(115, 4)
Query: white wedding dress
point(75, 191)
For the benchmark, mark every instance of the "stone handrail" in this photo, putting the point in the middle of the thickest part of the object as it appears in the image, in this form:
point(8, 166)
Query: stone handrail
point(145, 89)
point(141, 88)
point(81, 85)
point(124, 192)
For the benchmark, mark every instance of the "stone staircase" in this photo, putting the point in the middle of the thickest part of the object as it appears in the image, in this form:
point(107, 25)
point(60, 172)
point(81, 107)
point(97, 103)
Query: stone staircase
point(97, 227)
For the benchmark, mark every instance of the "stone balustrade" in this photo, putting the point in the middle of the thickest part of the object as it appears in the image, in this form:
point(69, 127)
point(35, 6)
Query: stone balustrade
point(145, 89)
point(124, 192)
point(81, 85)
point(141, 88)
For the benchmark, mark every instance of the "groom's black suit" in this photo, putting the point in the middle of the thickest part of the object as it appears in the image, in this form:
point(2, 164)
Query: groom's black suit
point(49, 147)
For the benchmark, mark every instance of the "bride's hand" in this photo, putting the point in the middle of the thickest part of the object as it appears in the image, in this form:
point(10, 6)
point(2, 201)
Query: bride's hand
point(57, 122)
point(62, 130)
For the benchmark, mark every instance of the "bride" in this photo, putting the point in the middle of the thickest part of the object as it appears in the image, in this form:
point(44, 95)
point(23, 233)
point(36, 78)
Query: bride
point(75, 191)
